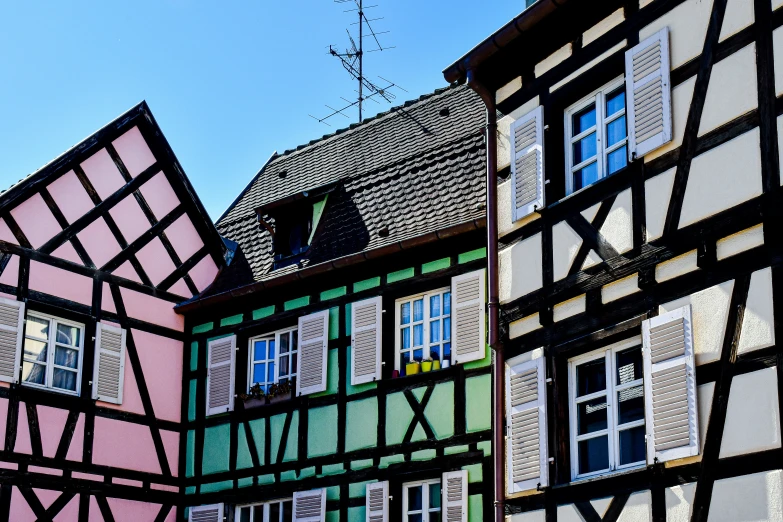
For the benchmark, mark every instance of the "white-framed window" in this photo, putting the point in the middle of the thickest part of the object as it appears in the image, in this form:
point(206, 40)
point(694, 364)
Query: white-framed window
point(423, 328)
point(273, 511)
point(607, 410)
point(52, 353)
point(596, 136)
point(421, 501)
point(272, 358)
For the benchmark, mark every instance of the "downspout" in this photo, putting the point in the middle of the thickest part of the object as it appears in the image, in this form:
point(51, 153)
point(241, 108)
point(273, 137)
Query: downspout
point(493, 305)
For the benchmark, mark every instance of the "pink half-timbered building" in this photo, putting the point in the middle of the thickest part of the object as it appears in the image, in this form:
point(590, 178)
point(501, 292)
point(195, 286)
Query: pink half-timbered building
point(96, 248)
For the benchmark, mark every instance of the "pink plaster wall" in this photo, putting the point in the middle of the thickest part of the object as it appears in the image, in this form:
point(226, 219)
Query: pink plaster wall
point(127, 271)
point(71, 198)
point(151, 309)
point(20, 510)
point(161, 360)
point(103, 174)
point(180, 288)
point(99, 242)
point(171, 445)
point(184, 238)
point(6, 234)
point(46, 496)
point(155, 261)
point(52, 424)
point(76, 449)
point(95, 511)
point(10, 275)
point(204, 273)
point(133, 511)
point(36, 220)
point(107, 300)
point(60, 283)
point(129, 218)
point(159, 195)
point(70, 513)
point(124, 445)
point(134, 152)
point(131, 399)
point(68, 252)
point(22, 444)
point(3, 416)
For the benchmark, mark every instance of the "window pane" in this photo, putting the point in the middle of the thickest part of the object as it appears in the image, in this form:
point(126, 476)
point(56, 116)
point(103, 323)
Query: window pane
point(37, 327)
point(616, 160)
point(584, 149)
point(66, 357)
point(244, 514)
point(274, 512)
point(259, 350)
point(435, 306)
point(33, 373)
point(584, 119)
point(447, 329)
point(258, 513)
point(418, 355)
point(629, 365)
point(435, 516)
point(294, 340)
point(416, 517)
point(35, 350)
point(594, 454)
point(68, 335)
point(435, 353)
point(630, 404)
point(283, 365)
point(418, 335)
point(271, 373)
point(271, 349)
point(405, 358)
point(284, 339)
point(287, 511)
point(591, 377)
point(586, 176)
point(434, 331)
point(615, 131)
point(294, 362)
point(447, 303)
point(64, 379)
point(406, 338)
point(446, 351)
point(632, 445)
point(615, 102)
point(418, 310)
point(259, 372)
point(414, 498)
point(405, 313)
point(591, 416)
point(435, 495)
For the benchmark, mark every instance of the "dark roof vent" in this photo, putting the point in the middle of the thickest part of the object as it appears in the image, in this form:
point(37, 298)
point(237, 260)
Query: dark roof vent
point(383, 232)
point(444, 111)
point(282, 174)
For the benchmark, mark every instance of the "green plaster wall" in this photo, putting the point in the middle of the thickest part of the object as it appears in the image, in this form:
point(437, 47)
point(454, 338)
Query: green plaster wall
point(362, 418)
point(357, 489)
point(332, 516)
point(361, 464)
point(440, 410)
point(486, 447)
point(486, 361)
point(399, 275)
point(245, 482)
point(434, 266)
point(263, 480)
point(398, 416)
point(192, 400)
point(299, 302)
point(193, 356)
point(263, 312)
point(203, 328)
point(228, 321)
point(391, 459)
point(190, 450)
point(335, 292)
point(427, 454)
point(332, 469)
point(334, 323)
point(456, 449)
point(258, 429)
point(216, 444)
point(333, 493)
point(473, 255)
point(478, 403)
point(322, 431)
point(213, 487)
point(276, 424)
point(475, 473)
point(475, 508)
point(356, 514)
point(373, 282)
point(244, 460)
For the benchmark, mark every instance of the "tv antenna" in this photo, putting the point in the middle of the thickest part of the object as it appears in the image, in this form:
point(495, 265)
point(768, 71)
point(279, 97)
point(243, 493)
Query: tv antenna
point(352, 60)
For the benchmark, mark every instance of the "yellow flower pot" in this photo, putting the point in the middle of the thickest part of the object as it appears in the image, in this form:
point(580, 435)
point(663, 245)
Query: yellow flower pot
point(426, 366)
point(412, 368)
point(436, 364)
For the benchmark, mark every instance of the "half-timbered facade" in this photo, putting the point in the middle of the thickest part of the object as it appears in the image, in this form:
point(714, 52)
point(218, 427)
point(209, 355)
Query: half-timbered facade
point(639, 249)
point(96, 248)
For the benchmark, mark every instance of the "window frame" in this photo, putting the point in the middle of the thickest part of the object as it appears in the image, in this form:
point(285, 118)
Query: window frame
point(425, 496)
point(601, 120)
point(275, 337)
point(51, 344)
point(398, 350)
point(612, 431)
point(266, 504)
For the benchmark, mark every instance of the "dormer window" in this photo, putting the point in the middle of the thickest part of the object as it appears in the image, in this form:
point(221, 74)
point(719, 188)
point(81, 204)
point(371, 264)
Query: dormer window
point(292, 232)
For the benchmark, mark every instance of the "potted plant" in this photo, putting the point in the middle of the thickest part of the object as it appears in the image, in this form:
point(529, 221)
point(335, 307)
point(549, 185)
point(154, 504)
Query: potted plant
point(412, 368)
point(426, 365)
point(435, 360)
point(254, 397)
point(279, 392)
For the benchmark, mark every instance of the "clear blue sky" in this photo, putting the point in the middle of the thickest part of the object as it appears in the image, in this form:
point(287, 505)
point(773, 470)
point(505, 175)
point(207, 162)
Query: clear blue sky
point(229, 82)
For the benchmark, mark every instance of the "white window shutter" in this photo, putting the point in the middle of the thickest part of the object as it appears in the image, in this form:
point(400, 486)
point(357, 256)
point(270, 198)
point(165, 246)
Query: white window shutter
point(670, 401)
point(648, 95)
point(366, 341)
point(210, 513)
point(455, 496)
point(527, 164)
point(377, 507)
point(310, 506)
point(526, 440)
point(468, 321)
point(221, 357)
point(109, 372)
point(11, 339)
point(313, 348)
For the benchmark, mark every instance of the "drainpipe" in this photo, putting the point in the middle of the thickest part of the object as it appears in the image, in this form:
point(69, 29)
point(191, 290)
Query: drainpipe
point(493, 308)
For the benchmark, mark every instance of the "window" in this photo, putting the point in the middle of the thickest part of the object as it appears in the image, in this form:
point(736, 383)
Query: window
point(275, 511)
point(52, 353)
point(273, 359)
point(607, 410)
point(421, 501)
point(423, 328)
point(596, 136)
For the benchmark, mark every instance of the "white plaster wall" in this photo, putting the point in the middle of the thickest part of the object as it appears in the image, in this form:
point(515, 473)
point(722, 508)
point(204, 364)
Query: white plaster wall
point(619, 47)
point(617, 229)
point(758, 322)
point(637, 509)
point(620, 288)
point(657, 193)
point(522, 326)
point(681, 104)
point(704, 397)
point(553, 60)
point(679, 501)
point(508, 89)
point(733, 88)
point(569, 308)
point(530, 516)
point(777, 51)
point(687, 29)
point(709, 311)
point(603, 27)
point(753, 415)
point(520, 268)
point(565, 245)
point(722, 178)
point(643, 3)
point(504, 131)
point(568, 513)
point(505, 225)
point(676, 266)
point(748, 498)
point(776, 3)
point(591, 259)
point(601, 505)
point(739, 15)
point(525, 357)
point(590, 212)
point(741, 241)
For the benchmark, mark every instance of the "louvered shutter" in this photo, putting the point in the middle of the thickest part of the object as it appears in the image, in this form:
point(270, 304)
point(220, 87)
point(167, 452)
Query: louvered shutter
point(670, 386)
point(220, 376)
point(313, 347)
point(468, 317)
point(310, 506)
point(109, 371)
point(648, 95)
point(526, 440)
point(11, 338)
point(366, 341)
point(377, 508)
point(211, 513)
point(527, 165)
point(455, 496)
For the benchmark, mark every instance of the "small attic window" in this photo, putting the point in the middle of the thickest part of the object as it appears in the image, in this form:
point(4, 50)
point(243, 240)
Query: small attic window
point(292, 231)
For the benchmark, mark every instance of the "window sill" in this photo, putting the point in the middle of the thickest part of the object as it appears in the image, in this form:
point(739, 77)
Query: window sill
point(608, 474)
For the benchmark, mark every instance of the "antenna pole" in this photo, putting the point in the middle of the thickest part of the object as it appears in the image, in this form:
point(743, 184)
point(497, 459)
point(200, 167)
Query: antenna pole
point(361, 24)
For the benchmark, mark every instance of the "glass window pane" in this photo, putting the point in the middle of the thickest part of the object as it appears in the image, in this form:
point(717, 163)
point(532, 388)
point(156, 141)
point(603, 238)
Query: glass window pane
point(287, 511)
point(294, 340)
point(406, 338)
point(594, 454)
point(616, 160)
point(418, 334)
point(435, 306)
point(615, 101)
point(284, 341)
point(414, 498)
point(259, 350)
point(294, 362)
point(435, 495)
point(591, 416)
point(271, 349)
point(632, 445)
point(259, 372)
point(33, 373)
point(434, 516)
point(584, 119)
point(585, 176)
point(258, 513)
point(68, 335)
point(446, 350)
point(64, 379)
point(37, 327)
point(416, 517)
point(284, 365)
point(271, 373)
point(435, 353)
point(584, 149)
point(591, 377)
point(244, 514)
point(418, 355)
point(630, 404)
point(35, 350)
point(405, 358)
point(447, 328)
point(615, 131)
point(629, 365)
point(274, 512)
point(447, 303)
point(418, 310)
point(434, 331)
point(66, 357)
point(405, 313)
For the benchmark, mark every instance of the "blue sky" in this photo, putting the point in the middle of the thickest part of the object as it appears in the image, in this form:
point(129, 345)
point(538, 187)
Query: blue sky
point(229, 82)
